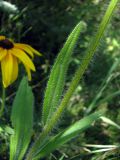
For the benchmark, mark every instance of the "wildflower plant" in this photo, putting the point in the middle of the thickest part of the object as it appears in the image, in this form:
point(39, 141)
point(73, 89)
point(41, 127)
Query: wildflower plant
point(54, 103)
point(10, 55)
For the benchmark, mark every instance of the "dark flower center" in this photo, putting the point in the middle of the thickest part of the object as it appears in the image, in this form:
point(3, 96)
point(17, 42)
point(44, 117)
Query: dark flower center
point(6, 44)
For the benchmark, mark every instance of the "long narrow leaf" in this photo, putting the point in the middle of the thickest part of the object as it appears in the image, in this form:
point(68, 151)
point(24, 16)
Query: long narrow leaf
point(22, 121)
point(58, 73)
point(68, 134)
point(109, 97)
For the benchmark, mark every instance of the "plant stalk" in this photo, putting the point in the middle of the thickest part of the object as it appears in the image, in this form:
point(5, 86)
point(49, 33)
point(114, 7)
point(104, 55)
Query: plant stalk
point(34, 150)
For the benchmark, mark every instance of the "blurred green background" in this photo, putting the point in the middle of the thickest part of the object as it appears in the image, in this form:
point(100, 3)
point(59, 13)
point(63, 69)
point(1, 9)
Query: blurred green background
point(45, 25)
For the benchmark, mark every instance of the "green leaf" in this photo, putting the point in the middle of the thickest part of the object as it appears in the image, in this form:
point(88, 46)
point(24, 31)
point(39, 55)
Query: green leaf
point(22, 121)
point(71, 132)
point(56, 80)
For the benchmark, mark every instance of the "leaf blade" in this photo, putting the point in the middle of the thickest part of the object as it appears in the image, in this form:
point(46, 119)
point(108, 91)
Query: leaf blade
point(56, 80)
point(68, 134)
point(22, 121)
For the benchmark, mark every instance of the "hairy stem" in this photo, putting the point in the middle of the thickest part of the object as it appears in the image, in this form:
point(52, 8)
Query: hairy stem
point(35, 149)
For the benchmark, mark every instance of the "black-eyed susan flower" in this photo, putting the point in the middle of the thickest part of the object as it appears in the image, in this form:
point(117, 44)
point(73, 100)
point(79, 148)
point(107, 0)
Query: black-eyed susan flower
point(10, 55)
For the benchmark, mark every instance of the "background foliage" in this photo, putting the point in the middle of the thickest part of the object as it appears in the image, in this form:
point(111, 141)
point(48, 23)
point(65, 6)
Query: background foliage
point(45, 25)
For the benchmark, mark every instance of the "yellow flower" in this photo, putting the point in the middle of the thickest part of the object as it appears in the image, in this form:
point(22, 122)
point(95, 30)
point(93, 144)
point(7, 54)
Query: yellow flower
point(10, 55)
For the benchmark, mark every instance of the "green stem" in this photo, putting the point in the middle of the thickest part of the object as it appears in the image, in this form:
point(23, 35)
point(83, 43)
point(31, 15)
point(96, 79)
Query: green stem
point(34, 150)
point(3, 102)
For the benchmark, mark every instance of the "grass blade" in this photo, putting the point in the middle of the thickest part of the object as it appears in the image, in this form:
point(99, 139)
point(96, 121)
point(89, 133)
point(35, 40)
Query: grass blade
point(68, 134)
point(109, 97)
point(110, 122)
point(103, 86)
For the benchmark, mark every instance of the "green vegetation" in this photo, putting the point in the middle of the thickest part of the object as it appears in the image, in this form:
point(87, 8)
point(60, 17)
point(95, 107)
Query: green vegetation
point(71, 108)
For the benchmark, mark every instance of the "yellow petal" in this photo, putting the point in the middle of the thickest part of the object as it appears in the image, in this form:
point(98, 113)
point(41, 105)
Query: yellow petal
point(3, 53)
point(28, 72)
point(15, 70)
point(2, 38)
point(7, 69)
point(32, 49)
point(21, 55)
point(25, 48)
